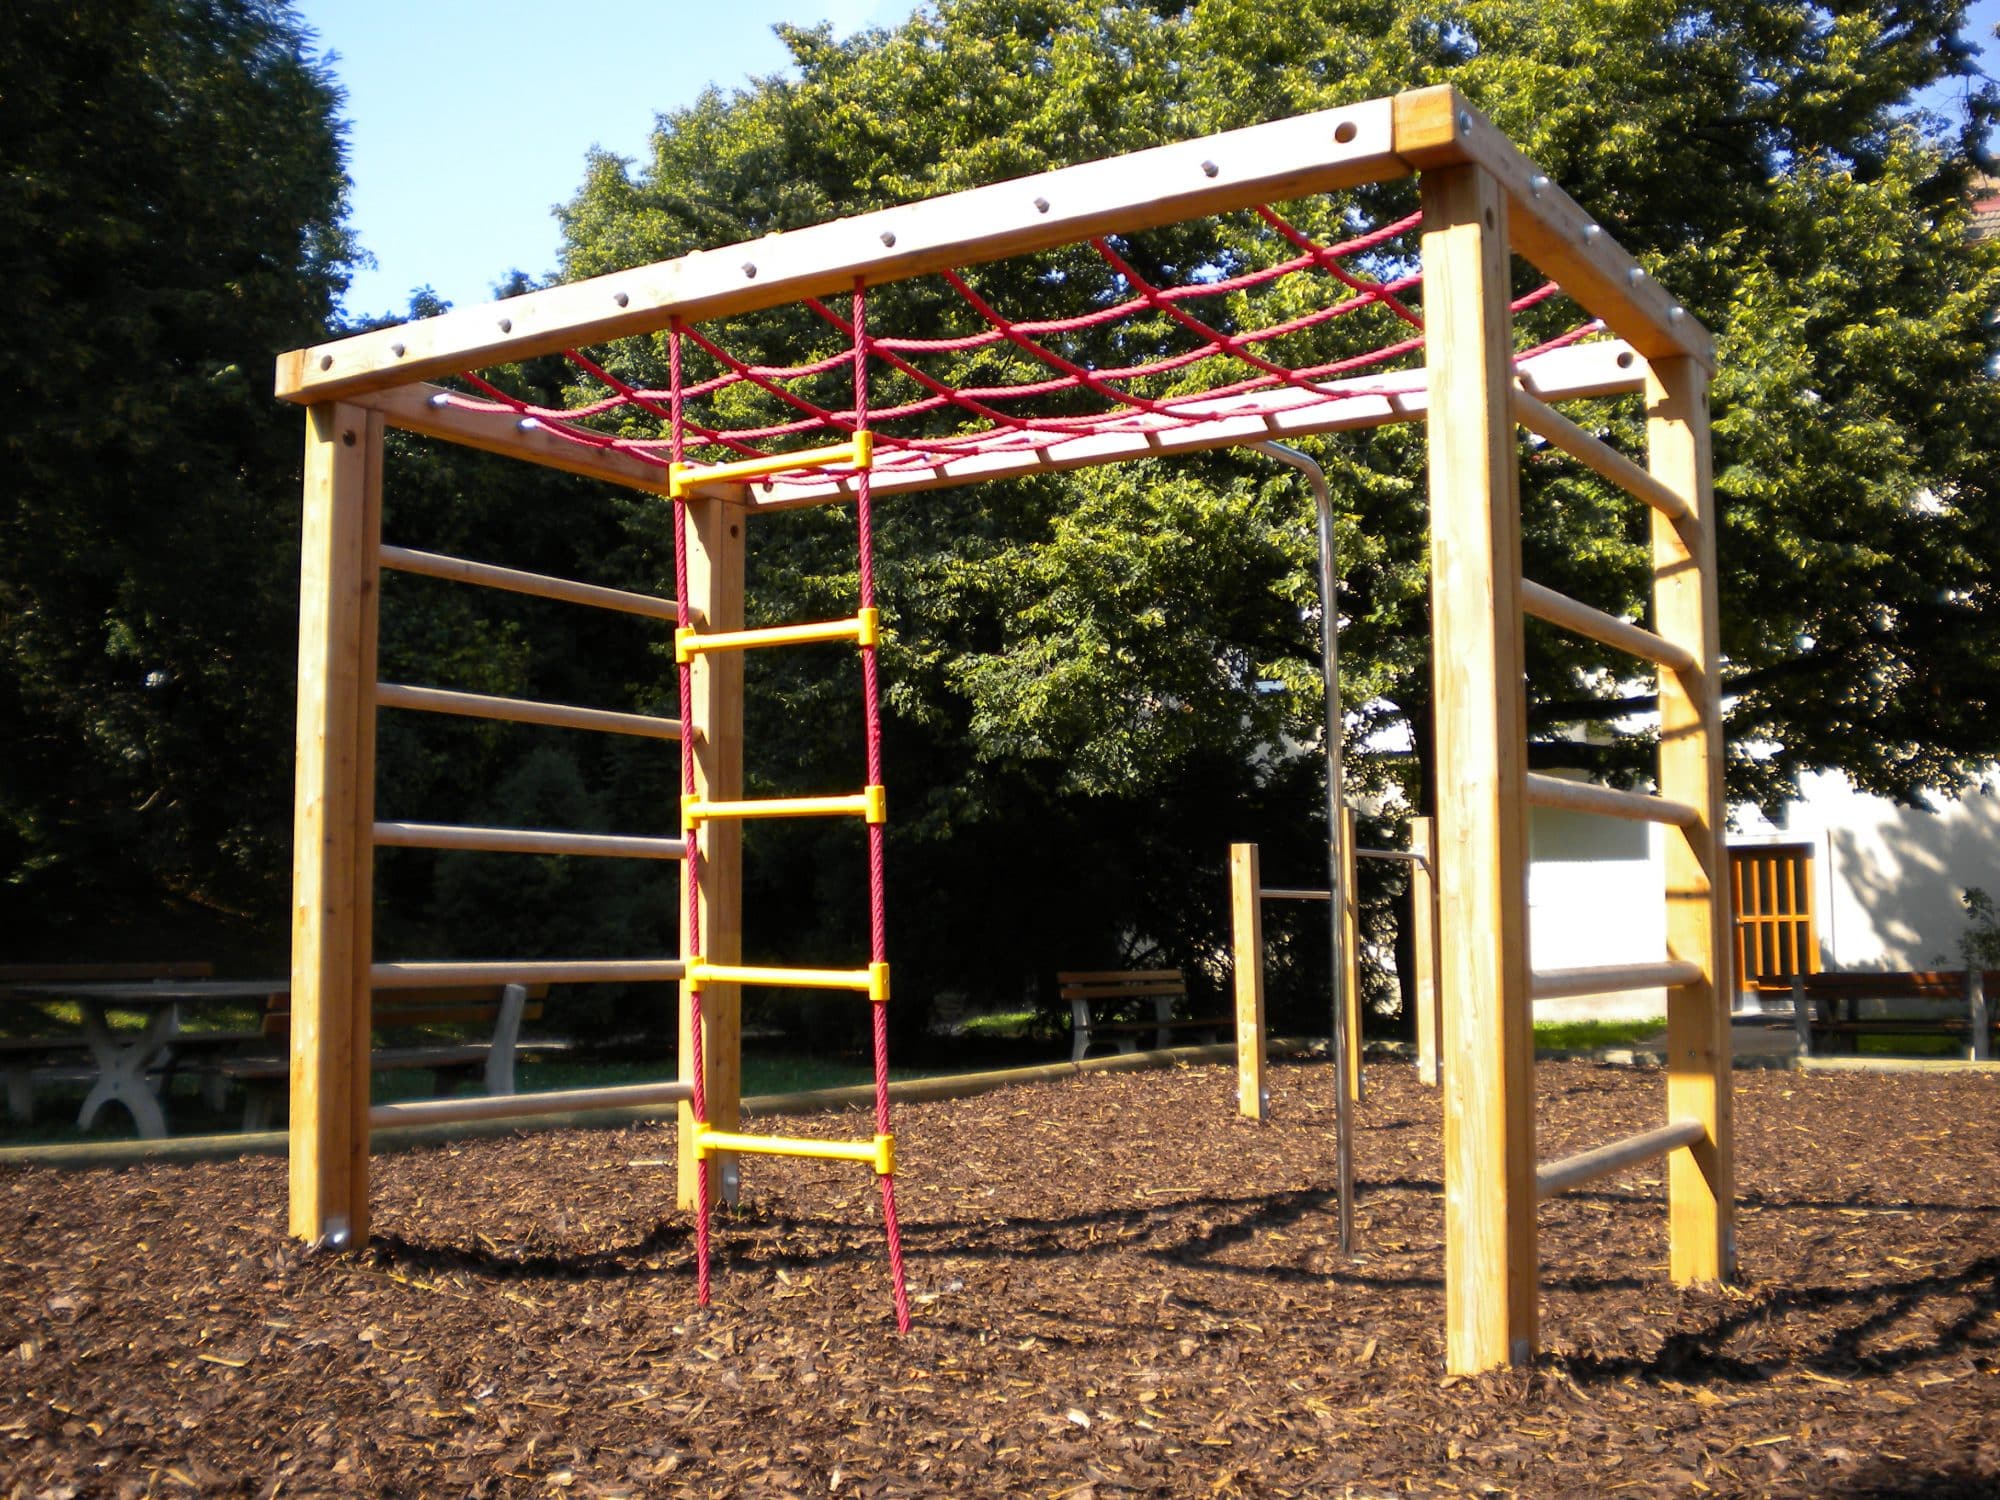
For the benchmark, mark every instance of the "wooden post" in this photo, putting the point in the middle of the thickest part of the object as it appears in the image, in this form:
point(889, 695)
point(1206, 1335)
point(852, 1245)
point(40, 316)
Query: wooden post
point(715, 728)
point(332, 817)
point(1700, 1178)
point(1246, 912)
point(1350, 957)
point(1481, 730)
point(1977, 1015)
point(1423, 946)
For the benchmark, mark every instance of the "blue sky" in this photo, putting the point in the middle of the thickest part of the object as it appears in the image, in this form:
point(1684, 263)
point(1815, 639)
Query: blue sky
point(469, 119)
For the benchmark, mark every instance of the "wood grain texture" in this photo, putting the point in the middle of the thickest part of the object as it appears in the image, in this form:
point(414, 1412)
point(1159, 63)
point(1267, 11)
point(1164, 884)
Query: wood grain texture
point(1246, 913)
point(1701, 1179)
point(333, 815)
point(1424, 946)
point(1481, 723)
point(715, 590)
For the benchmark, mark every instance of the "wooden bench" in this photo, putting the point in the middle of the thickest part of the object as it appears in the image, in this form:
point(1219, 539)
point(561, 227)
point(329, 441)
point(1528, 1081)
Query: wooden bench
point(1104, 1003)
point(64, 1058)
point(1826, 1007)
point(494, 1011)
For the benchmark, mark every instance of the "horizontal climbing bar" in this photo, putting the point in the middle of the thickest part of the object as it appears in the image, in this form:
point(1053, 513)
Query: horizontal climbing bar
point(869, 804)
point(872, 981)
point(456, 1110)
point(1607, 801)
point(541, 585)
point(528, 971)
point(1279, 893)
point(879, 1153)
point(864, 630)
point(524, 841)
point(858, 454)
point(1587, 1166)
point(1573, 615)
point(1605, 979)
point(1398, 856)
point(1545, 421)
point(524, 711)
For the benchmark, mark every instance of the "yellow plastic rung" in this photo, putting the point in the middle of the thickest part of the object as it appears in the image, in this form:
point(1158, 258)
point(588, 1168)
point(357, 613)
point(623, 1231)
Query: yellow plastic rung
point(870, 804)
point(864, 981)
point(864, 630)
point(879, 1153)
point(857, 454)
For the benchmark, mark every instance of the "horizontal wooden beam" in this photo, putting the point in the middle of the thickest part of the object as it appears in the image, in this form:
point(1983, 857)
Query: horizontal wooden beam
point(429, 411)
point(1606, 979)
point(524, 841)
point(523, 711)
point(1581, 619)
point(1587, 1166)
point(1606, 801)
point(1284, 159)
point(527, 971)
point(456, 1110)
point(1600, 369)
point(1595, 454)
point(1436, 127)
point(541, 585)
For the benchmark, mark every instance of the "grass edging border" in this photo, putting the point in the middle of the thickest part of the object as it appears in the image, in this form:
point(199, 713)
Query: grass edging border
point(84, 1154)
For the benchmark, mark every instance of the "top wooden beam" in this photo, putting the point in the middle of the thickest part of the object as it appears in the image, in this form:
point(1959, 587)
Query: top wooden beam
point(1321, 152)
point(1435, 127)
point(1315, 153)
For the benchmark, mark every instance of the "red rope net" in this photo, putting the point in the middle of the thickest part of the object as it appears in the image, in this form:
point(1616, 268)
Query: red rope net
point(1148, 355)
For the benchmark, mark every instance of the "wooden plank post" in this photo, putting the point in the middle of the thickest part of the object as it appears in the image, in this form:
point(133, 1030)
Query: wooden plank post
point(1246, 913)
point(1701, 1177)
point(715, 729)
point(1423, 946)
point(1350, 958)
point(333, 813)
point(1976, 1014)
point(1482, 824)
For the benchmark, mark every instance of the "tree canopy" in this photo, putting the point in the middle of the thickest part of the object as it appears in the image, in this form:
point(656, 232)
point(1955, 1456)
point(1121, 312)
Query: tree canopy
point(1762, 159)
point(172, 207)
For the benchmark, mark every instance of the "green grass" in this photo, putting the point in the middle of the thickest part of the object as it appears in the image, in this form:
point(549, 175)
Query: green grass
point(1910, 1044)
point(1011, 1023)
point(1580, 1036)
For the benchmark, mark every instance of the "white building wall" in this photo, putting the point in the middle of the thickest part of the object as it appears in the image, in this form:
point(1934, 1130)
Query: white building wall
point(1595, 896)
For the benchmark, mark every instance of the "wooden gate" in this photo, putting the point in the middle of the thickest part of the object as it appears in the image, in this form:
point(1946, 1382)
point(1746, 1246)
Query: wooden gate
point(1777, 935)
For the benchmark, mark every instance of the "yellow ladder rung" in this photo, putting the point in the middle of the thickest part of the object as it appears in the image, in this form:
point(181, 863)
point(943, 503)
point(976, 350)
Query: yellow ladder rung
point(871, 804)
point(858, 454)
point(872, 981)
point(865, 629)
point(879, 1153)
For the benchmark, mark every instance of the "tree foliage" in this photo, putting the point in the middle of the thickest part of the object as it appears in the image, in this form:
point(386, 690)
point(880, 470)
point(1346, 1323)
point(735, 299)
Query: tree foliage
point(1076, 721)
point(171, 212)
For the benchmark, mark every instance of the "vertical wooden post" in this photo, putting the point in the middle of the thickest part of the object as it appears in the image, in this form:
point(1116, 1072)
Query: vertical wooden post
point(1423, 946)
point(1700, 1178)
point(1977, 1015)
point(1350, 957)
point(1481, 726)
point(715, 725)
point(333, 816)
point(1246, 913)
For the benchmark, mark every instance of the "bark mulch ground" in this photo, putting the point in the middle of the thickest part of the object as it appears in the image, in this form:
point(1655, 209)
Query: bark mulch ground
point(1121, 1290)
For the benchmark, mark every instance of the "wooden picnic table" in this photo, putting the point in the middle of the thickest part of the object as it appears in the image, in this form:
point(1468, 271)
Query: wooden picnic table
point(125, 1060)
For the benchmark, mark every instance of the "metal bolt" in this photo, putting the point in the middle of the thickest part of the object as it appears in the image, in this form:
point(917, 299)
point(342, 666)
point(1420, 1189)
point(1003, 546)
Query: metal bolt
point(506, 325)
point(621, 299)
point(1591, 231)
point(750, 269)
point(1465, 122)
point(1676, 313)
point(326, 361)
point(1041, 205)
point(1636, 275)
point(440, 400)
point(889, 238)
point(398, 350)
point(1538, 184)
point(1210, 169)
point(529, 424)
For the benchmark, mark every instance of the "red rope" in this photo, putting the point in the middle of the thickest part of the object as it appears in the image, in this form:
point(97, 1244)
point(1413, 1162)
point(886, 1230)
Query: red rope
point(878, 921)
point(698, 1105)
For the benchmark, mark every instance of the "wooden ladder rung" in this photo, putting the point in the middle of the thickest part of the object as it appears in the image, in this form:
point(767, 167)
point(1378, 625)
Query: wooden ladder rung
point(1607, 801)
point(878, 1152)
point(1587, 1166)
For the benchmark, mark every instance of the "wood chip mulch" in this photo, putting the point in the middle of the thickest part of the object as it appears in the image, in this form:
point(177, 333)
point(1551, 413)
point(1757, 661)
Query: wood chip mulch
point(1120, 1290)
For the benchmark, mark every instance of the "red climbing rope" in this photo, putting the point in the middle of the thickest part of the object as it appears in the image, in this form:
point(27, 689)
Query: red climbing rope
point(698, 1105)
point(871, 694)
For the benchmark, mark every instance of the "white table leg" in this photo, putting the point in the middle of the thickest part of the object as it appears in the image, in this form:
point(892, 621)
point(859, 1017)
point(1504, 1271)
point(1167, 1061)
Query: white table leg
point(121, 1068)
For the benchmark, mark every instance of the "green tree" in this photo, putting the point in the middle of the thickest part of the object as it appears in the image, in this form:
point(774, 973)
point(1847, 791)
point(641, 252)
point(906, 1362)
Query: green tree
point(172, 205)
